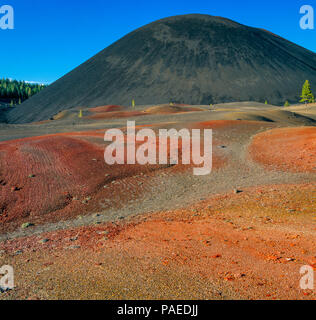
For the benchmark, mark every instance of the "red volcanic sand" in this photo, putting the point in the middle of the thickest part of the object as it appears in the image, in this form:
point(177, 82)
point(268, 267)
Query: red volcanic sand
point(60, 176)
point(289, 149)
point(247, 245)
point(109, 108)
point(112, 111)
point(228, 242)
point(48, 178)
point(61, 167)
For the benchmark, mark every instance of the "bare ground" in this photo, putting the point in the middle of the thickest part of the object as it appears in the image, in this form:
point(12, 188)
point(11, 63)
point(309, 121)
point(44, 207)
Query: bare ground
point(165, 233)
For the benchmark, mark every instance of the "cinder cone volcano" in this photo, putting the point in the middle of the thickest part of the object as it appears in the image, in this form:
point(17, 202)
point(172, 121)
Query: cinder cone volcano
point(193, 59)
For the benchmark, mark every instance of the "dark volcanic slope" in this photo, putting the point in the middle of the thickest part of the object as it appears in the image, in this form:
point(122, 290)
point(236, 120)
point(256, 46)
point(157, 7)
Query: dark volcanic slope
point(193, 59)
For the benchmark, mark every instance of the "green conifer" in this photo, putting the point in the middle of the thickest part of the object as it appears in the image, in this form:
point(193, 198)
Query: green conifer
point(307, 95)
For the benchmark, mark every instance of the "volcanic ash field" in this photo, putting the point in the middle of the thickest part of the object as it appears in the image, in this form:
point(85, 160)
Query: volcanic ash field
point(74, 227)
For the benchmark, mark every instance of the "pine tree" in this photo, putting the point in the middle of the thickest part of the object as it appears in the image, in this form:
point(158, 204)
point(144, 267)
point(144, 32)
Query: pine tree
point(307, 95)
point(80, 114)
point(266, 102)
point(18, 91)
point(133, 103)
point(286, 104)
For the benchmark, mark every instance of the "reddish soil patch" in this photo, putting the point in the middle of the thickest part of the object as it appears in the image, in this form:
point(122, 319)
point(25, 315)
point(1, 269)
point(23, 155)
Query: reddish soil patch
point(247, 246)
point(287, 149)
point(232, 239)
point(167, 109)
point(109, 108)
point(111, 112)
point(57, 177)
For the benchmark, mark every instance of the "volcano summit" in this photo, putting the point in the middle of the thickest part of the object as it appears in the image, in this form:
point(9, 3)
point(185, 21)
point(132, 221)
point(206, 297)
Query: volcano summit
point(193, 59)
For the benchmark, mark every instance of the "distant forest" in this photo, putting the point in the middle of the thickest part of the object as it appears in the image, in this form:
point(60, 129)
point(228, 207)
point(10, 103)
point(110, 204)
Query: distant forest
point(15, 92)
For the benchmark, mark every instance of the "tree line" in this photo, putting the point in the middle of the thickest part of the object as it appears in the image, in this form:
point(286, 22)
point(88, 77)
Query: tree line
point(15, 92)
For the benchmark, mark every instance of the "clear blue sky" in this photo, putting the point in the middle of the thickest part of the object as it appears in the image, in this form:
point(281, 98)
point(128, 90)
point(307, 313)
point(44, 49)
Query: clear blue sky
point(51, 37)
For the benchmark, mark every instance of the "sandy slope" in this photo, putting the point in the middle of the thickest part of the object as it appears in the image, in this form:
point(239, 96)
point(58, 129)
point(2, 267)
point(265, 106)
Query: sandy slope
point(158, 231)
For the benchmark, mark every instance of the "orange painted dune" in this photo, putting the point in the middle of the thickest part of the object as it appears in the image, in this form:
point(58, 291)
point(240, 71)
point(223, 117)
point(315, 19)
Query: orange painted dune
point(111, 112)
point(57, 177)
point(287, 149)
point(224, 247)
point(53, 178)
point(109, 108)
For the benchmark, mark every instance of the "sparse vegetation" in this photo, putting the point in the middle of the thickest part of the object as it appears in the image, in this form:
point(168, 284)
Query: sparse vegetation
point(15, 92)
point(286, 104)
point(307, 95)
point(27, 225)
